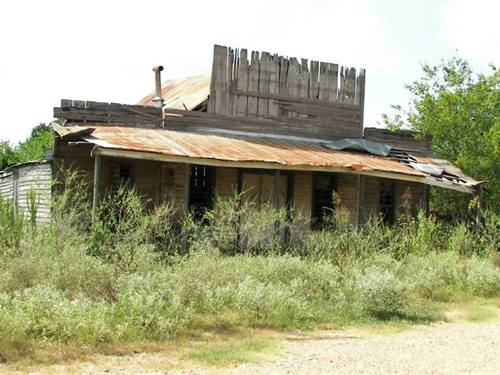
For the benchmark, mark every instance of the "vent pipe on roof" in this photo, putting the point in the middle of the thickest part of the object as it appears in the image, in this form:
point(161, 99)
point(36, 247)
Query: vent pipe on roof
point(158, 100)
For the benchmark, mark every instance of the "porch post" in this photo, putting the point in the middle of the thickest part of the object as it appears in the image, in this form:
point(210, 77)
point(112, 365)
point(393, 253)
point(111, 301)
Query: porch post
point(360, 195)
point(277, 179)
point(187, 186)
point(277, 176)
point(239, 188)
point(480, 197)
point(97, 184)
point(426, 200)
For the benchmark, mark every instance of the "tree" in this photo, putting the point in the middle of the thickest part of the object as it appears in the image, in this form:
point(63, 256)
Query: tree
point(460, 111)
point(33, 148)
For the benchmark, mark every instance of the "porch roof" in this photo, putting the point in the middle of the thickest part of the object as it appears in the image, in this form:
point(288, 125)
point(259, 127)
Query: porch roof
point(256, 150)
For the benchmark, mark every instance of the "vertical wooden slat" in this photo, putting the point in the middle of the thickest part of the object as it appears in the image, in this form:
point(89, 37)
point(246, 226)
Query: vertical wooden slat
point(334, 77)
point(313, 82)
point(242, 84)
point(264, 76)
point(274, 84)
point(283, 63)
point(292, 80)
point(253, 84)
point(342, 84)
point(217, 100)
point(350, 86)
point(230, 98)
point(360, 90)
point(323, 81)
point(303, 82)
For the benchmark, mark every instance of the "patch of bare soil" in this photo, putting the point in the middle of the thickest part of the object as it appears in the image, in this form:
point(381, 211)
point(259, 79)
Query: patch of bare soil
point(448, 348)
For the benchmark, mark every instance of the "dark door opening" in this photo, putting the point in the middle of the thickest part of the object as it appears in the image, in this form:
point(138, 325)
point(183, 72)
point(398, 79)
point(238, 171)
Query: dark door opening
point(323, 205)
point(201, 189)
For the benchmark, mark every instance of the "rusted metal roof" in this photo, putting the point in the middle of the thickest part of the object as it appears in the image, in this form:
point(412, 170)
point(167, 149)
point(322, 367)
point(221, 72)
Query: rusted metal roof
point(185, 93)
point(238, 148)
point(263, 151)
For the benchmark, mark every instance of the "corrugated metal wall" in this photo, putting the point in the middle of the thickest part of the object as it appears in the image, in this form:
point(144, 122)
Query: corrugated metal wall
point(17, 182)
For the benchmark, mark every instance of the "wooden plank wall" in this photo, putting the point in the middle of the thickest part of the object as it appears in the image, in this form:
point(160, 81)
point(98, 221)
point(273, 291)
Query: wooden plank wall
point(36, 178)
point(278, 95)
point(15, 186)
point(101, 112)
point(7, 185)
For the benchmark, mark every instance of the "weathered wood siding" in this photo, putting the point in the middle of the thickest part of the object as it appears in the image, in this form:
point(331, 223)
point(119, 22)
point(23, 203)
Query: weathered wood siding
point(155, 182)
point(29, 186)
point(347, 191)
point(273, 94)
point(7, 185)
point(403, 139)
point(302, 197)
point(226, 182)
point(409, 197)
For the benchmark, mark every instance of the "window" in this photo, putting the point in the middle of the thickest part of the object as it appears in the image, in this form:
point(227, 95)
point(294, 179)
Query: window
point(120, 175)
point(387, 201)
point(324, 186)
point(201, 188)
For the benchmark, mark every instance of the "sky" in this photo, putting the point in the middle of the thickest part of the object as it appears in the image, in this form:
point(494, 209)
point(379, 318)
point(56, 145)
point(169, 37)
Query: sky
point(104, 50)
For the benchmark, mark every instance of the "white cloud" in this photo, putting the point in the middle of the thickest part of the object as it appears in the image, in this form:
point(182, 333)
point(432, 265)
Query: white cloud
point(104, 50)
point(472, 27)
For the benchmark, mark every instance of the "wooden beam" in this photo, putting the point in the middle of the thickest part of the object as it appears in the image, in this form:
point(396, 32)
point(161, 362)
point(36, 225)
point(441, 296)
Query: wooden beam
point(295, 99)
point(277, 176)
point(360, 200)
point(425, 198)
point(97, 184)
point(187, 188)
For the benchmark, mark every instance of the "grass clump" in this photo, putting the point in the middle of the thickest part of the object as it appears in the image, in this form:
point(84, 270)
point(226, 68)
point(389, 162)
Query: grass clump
point(227, 354)
point(143, 274)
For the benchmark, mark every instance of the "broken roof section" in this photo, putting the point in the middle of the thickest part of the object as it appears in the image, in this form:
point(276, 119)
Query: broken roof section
point(360, 144)
point(185, 93)
point(252, 150)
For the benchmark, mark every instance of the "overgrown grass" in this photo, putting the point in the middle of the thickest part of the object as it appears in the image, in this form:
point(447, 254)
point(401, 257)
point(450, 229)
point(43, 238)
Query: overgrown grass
point(139, 276)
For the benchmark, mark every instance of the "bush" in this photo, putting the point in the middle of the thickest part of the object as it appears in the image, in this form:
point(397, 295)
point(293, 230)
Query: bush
point(142, 274)
point(382, 293)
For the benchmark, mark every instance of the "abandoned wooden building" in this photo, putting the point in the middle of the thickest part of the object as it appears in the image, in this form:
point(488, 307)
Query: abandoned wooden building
point(277, 129)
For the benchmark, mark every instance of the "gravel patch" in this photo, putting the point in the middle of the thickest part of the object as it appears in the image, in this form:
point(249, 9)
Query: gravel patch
point(459, 348)
point(448, 348)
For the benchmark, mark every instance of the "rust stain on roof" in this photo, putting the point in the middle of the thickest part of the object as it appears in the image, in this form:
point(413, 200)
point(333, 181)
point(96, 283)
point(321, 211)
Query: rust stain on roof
point(238, 148)
point(189, 92)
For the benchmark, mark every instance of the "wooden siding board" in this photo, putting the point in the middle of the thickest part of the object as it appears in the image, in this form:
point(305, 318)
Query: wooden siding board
point(347, 191)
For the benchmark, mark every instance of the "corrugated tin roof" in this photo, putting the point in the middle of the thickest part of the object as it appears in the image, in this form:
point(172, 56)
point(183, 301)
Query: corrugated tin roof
point(177, 93)
point(275, 151)
point(238, 148)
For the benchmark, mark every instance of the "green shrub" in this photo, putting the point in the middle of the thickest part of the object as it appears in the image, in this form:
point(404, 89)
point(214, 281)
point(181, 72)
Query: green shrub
point(145, 273)
point(481, 278)
point(382, 293)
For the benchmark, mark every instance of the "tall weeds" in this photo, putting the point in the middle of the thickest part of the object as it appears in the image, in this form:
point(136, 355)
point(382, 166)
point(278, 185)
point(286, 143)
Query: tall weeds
point(138, 274)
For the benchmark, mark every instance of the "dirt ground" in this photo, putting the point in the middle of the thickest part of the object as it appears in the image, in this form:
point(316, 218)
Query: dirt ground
point(447, 348)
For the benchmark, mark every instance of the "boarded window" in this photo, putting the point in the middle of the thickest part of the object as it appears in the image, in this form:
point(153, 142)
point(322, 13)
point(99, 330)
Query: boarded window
point(387, 201)
point(201, 189)
point(323, 205)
